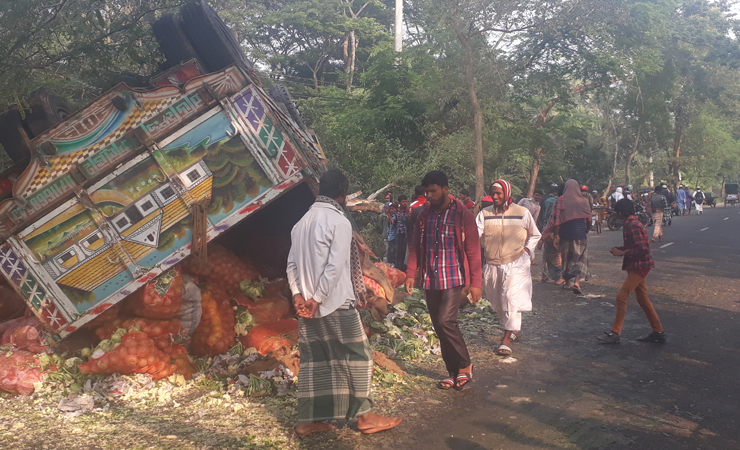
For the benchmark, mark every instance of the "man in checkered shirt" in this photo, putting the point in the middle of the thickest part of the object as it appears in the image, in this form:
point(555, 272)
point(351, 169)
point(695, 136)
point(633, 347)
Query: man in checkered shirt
point(446, 249)
point(638, 260)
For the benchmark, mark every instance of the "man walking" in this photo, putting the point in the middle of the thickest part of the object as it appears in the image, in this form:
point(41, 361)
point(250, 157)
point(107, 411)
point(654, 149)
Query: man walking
point(532, 204)
point(326, 281)
point(402, 220)
point(509, 236)
point(638, 260)
point(465, 199)
point(552, 267)
point(446, 249)
point(681, 199)
point(699, 200)
point(659, 204)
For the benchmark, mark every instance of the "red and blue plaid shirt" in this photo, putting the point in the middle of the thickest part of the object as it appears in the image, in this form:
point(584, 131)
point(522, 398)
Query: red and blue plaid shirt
point(443, 269)
point(637, 254)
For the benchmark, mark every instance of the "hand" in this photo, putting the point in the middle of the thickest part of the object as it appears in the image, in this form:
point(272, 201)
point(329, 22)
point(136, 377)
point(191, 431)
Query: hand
point(299, 302)
point(475, 295)
point(409, 285)
point(556, 242)
point(309, 309)
point(540, 244)
point(616, 252)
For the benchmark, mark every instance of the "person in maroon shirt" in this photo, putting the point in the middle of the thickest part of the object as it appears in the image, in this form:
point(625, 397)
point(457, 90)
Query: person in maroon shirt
point(638, 260)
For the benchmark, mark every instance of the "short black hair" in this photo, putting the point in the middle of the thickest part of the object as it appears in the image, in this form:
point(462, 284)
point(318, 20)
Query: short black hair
point(402, 197)
point(333, 184)
point(625, 207)
point(465, 192)
point(561, 189)
point(418, 190)
point(553, 189)
point(435, 177)
point(539, 191)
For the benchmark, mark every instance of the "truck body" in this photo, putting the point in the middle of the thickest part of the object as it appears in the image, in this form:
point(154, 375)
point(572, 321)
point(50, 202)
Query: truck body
point(111, 196)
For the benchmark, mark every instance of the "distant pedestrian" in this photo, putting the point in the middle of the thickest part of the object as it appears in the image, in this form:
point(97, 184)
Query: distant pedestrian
point(689, 199)
point(552, 268)
point(542, 218)
point(388, 200)
point(570, 220)
point(659, 204)
point(325, 278)
point(509, 236)
point(446, 249)
point(388, 231)
point(465, 199)
point(638, 260)
point(419, 197)
point(616, 196)
point(681, 199)
point(402, 220)
point(699, 200)
point(532, 204)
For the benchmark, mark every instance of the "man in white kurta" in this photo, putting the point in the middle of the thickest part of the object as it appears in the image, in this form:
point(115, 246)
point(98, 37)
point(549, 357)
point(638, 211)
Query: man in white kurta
point(509, 236)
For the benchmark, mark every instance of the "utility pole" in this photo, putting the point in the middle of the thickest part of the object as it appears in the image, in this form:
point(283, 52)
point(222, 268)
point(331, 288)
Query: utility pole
point(398, 39)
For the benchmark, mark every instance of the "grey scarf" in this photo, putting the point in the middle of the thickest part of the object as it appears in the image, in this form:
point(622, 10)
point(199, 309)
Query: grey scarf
point(358, 284)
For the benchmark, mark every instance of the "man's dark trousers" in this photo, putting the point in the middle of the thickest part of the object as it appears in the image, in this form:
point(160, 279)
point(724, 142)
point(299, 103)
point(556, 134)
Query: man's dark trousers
point(443, 306)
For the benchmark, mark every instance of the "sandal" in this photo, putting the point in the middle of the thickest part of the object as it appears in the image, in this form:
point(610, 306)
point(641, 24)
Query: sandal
point(463, 379)
point(577, 289)
point(503, 350)
point(446, 384)
point(391, 424)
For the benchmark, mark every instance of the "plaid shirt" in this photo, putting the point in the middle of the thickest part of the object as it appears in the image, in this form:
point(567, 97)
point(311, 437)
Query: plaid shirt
point(443, 269)
point(637, 255)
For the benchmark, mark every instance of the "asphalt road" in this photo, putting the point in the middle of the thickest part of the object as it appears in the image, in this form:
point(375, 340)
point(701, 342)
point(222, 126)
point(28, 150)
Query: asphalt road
point(564, 391)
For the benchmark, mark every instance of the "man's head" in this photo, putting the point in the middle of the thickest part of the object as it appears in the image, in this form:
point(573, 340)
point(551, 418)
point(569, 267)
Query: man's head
point(392, 208)
point(500, 193)
point(553, 189)
point(584, 188)
point(464, 195)
point(625, 208)
point(537, 195)
point(418, 191)
point(334, 184)
point(698, 188)
point(388, 197)
point(403, 201)
point(436, 187)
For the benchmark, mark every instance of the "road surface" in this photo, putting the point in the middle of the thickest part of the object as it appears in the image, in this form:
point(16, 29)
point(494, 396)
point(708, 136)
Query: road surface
point(564, 391)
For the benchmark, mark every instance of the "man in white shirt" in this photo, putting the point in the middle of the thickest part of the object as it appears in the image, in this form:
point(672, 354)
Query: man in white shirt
point(509, 237)
point(326, 280)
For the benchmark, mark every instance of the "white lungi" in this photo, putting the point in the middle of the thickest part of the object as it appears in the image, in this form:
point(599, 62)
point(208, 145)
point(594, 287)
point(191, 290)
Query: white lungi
point(509, 289)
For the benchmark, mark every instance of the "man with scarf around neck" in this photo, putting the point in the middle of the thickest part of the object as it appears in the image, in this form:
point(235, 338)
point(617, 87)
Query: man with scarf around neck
point(325, 278)
point(446, 249)
point(509, 236)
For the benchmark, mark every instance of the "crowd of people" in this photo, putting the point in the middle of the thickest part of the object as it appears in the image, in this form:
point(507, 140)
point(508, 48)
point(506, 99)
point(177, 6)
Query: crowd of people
point(455, 250)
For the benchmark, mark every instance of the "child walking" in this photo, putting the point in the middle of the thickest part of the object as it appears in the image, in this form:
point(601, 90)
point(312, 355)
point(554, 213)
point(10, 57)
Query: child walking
point(638, 261)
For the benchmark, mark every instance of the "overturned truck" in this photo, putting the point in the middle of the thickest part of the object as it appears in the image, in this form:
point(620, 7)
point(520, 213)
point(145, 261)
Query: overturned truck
point(104, 200)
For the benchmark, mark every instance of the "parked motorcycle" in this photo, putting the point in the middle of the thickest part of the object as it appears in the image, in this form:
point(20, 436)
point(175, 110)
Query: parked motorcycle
point(613, 221)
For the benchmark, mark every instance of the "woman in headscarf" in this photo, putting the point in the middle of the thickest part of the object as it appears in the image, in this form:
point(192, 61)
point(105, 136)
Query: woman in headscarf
point(553, 266)
point(569, 222)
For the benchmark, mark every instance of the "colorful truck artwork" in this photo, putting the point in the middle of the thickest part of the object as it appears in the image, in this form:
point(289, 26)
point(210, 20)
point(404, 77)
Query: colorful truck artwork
point(106, 203)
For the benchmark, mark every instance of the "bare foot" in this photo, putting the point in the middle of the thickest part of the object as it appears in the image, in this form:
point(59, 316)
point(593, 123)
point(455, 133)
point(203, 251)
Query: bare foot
point(372, 423)
point(306, 428)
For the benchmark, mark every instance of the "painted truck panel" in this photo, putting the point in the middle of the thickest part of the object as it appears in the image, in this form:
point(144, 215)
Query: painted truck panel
point(111, 209)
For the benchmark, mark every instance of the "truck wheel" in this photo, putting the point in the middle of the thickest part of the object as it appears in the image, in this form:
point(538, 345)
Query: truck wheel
point(13, 136)
point(211, 38)
point(280, 94)
point(173, 42)
point(47, 110)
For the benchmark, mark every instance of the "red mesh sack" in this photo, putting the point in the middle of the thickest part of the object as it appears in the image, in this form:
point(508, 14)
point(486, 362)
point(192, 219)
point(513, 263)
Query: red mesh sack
point(272, 336)
point(228, 270)
point(270, 310)
point(179, 357)
point(25, 334)
point(106, 316)
point(159, 299)
point(11, 304)
point(19, 370)
point(135, 354)
point(157, 330)
point(215, 333)
point(395, 276)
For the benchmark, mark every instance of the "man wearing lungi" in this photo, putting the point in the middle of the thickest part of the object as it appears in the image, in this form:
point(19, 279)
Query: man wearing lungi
point(446, 249)
point(509, 236)
point(326, 281)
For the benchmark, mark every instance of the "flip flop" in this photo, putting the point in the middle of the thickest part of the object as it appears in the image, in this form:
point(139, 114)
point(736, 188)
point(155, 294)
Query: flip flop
point(503, 348)
point(577, 290)
point(387, 426)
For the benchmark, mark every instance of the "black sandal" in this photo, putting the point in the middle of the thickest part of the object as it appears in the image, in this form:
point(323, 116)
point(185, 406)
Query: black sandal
point(467, 378)
point(446, 384)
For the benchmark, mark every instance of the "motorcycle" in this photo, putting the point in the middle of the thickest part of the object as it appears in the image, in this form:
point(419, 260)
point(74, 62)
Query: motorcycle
point(614, 222)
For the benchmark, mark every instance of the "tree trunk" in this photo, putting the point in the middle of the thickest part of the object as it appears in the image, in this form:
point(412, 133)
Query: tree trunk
point(631, 156)
point(353, 42)
point(469, 63)
point(534, 171)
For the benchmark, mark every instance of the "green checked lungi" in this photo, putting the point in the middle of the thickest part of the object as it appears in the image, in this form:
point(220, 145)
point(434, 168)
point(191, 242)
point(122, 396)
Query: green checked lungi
point(336, 367)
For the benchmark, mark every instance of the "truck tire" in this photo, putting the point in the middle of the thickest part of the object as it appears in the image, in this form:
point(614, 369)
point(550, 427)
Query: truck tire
point(47, 110)
point(13, 136)
point(280, 94)
point(213, 41)
point(173, 42)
